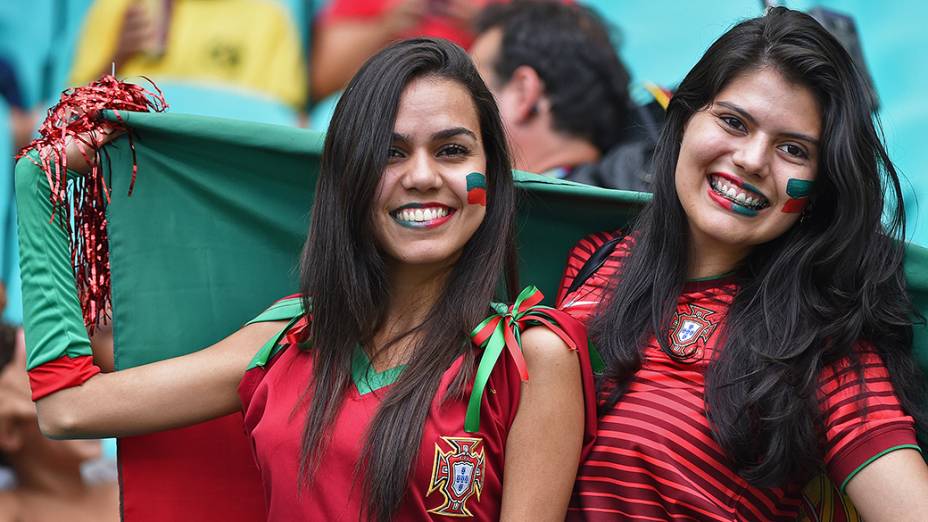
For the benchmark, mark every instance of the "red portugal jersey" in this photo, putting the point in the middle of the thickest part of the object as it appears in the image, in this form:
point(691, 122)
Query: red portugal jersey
point(654, 456)
point(456, 474)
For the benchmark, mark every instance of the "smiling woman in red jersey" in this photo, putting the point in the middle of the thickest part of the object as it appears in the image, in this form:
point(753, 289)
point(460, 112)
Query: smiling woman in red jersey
point(754, 322)
point(378, 393)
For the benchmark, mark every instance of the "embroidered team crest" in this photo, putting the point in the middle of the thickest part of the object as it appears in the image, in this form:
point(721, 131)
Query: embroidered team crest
point(457, 474)
point(688, 328)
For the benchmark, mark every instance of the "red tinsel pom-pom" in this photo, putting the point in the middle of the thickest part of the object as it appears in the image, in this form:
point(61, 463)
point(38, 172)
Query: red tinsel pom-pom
point(77, 121)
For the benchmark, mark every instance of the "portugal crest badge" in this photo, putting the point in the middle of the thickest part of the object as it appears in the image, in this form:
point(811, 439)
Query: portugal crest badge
point(457, 474)
point(688, 328)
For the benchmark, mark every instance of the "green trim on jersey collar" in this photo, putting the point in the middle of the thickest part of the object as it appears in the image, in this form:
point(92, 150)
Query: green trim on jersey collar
point(365, 378)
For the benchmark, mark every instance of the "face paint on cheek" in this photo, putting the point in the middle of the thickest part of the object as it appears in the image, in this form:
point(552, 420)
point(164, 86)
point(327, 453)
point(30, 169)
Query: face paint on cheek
point(476, 189)
point(798, 191)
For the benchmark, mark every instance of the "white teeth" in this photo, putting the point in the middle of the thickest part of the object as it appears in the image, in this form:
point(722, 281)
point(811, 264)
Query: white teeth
point(736, 193)
point(421, 215)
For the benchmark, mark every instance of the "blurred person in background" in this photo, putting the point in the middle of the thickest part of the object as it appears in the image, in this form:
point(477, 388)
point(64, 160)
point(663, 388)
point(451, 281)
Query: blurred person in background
point(562, 91)
point(349, 31)
point(22, 120)
point(248, 45)
point(50, 483)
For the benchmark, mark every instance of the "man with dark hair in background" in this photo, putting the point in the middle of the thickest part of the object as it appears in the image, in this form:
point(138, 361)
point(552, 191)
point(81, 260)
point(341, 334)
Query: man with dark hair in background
point(562, 92)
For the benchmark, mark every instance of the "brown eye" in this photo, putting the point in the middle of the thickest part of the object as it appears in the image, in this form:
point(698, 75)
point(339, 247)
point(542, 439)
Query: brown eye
point(794, 150)
point(453, 150)
point(734, 123)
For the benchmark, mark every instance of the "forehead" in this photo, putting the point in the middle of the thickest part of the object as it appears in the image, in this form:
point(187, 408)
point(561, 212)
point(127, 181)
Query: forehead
point(430, 104)
point(776, 103)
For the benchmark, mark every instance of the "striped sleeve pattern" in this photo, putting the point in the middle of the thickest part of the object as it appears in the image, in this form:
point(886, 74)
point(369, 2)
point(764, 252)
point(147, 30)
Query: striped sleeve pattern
point(582, 302)
point(862, 415)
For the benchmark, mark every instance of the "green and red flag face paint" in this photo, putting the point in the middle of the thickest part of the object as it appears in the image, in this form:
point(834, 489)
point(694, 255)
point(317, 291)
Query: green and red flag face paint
point(798, 191)
point(476, 189)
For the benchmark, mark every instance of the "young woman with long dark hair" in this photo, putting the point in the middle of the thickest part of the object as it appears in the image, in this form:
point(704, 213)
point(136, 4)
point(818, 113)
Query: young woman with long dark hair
point(367, 398)
point(754, 321)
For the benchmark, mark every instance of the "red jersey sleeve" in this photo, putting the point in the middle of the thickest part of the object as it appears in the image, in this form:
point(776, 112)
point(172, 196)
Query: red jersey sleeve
point(863, 417)
point(581, 298)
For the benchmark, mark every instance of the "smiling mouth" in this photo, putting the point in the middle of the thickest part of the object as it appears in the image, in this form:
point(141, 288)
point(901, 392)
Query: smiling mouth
point(737, 192)
point(419, 215)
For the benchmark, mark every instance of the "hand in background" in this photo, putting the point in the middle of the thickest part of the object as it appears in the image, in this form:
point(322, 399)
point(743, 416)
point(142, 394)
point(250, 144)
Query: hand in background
point(137, 33)
point(76, 160)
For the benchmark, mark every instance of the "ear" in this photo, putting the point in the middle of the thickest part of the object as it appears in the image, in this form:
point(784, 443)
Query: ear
point(529, 90)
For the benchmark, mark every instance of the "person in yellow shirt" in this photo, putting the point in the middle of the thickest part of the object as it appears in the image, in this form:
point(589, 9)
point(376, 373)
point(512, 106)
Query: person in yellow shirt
point(251, 45)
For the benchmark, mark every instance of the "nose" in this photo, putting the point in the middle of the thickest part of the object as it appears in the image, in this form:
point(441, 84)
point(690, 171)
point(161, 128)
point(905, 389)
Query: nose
point(752, 155)
point(422, 173)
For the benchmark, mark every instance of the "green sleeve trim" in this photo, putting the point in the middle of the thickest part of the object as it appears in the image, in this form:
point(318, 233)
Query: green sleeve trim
point(290, 310)
point(871, 459)
point(282, 310)
point(272, 346)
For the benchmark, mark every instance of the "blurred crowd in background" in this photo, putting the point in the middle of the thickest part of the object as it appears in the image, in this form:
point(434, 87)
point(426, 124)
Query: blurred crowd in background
point(581, 92)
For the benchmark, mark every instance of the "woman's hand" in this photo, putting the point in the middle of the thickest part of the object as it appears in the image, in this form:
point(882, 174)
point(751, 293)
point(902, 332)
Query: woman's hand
point(78, 160)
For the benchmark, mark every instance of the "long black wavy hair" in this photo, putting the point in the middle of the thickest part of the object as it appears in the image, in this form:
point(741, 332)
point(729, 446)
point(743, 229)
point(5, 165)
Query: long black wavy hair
point(344, 275)
point(805, 298)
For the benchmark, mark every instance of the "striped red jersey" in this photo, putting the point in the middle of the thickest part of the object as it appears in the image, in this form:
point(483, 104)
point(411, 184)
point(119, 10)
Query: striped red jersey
point(654, 457)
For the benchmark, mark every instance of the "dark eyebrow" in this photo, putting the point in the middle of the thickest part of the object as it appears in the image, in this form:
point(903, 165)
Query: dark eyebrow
point(455, 131)
point(747, 115)
point(440, 135)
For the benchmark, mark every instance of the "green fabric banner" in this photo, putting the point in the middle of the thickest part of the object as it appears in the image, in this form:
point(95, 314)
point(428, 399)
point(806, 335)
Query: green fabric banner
point(212, 232)
point(209, 238)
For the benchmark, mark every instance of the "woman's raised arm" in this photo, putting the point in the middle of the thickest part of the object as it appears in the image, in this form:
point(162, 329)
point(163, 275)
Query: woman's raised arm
point(158, 396)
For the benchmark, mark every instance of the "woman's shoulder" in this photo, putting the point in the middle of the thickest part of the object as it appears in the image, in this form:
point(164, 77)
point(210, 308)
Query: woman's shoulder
point(591, 265)
point(286, 325)
point(600, 244)
point(288, 315)
point(523, 335)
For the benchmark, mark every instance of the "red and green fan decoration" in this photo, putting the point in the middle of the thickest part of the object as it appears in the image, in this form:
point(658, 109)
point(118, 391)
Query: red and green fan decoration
point(79, 202)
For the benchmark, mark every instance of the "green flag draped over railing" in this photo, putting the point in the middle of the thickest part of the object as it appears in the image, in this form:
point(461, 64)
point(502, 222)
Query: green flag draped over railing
point(210, 237)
